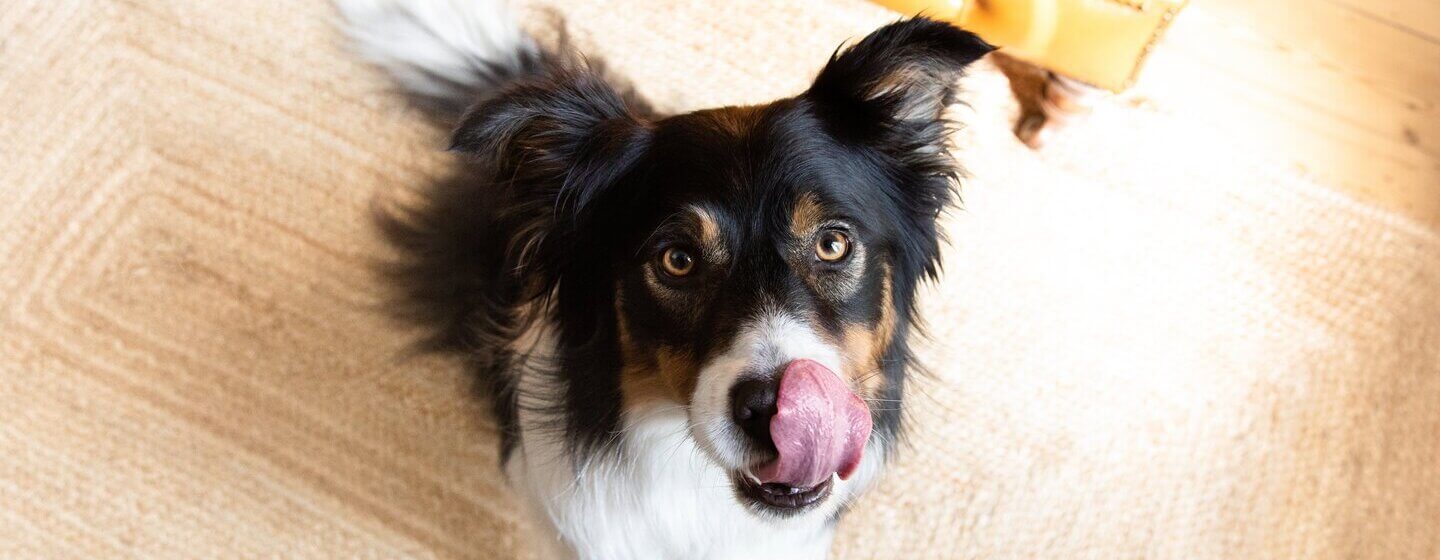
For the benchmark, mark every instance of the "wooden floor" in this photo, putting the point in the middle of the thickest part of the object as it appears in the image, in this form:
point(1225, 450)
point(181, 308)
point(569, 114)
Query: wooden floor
point(1345, 90)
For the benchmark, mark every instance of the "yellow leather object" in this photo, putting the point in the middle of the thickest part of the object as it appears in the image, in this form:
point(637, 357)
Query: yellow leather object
point(1099, 42)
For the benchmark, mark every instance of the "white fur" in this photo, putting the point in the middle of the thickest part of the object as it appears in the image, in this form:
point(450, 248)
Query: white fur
point(434, 47)
point(663, 495)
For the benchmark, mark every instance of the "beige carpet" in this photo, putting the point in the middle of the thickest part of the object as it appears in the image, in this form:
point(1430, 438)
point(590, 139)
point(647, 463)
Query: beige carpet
point(1146, 345)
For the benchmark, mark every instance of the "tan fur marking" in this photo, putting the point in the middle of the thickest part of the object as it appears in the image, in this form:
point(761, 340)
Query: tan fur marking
point(638, 383)
point(679, 372)
point(709, 228)
point(805, 217)
point(862, 346)
point(639, 388)
point(711, 241)
point(662, 375)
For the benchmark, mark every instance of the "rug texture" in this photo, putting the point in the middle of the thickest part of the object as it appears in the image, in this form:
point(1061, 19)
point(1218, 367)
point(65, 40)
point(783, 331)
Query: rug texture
point(1145, 345)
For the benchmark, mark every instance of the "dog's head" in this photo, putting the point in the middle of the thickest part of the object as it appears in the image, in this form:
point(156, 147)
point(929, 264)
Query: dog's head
point(755, 265)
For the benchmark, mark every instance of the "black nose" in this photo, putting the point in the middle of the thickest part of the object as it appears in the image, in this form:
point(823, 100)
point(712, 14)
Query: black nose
point(752, 404)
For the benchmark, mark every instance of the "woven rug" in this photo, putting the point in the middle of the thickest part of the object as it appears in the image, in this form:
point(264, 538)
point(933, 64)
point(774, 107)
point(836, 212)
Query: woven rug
point(1145, 344)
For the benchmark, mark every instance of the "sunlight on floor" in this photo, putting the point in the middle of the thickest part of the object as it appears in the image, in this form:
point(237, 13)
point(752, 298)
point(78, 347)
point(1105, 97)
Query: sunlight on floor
point(1343, 90)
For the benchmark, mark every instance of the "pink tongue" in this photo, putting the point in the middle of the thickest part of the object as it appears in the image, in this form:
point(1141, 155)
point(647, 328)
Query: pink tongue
point(819, 428)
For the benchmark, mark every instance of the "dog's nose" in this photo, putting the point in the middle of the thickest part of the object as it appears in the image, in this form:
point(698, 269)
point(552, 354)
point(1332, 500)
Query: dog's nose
point(752, 405)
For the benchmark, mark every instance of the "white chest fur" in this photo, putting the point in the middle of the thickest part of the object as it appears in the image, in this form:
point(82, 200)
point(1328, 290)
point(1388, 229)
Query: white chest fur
point(660, 497)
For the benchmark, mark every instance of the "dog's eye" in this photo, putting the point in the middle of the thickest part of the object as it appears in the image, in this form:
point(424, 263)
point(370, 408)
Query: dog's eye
point(677, 262)
point(832, 246)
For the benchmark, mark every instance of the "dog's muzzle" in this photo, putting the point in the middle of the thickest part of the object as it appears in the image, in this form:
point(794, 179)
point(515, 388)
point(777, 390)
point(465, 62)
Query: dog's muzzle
point(816, 426)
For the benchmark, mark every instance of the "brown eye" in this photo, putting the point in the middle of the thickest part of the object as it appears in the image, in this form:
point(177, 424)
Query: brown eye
point(677, 262)
point(832, 246)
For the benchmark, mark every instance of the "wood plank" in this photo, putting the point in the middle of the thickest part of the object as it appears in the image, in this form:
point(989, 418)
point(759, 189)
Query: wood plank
point(1382, 77)
point(1417, 17)
point(1367, 121)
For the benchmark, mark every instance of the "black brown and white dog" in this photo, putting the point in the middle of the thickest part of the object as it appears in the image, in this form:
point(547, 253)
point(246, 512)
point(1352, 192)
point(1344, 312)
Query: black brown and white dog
point(692, 328)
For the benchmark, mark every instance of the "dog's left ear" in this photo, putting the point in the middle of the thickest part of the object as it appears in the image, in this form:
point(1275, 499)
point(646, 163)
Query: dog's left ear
point(894, 84)
point(889, 92)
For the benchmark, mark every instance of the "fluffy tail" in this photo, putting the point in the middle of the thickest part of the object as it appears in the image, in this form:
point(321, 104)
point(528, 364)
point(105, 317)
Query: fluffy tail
point(444, 53)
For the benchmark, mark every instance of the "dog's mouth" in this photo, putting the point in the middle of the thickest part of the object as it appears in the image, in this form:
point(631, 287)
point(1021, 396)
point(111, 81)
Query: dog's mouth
point(817, 433)
point(779, 498)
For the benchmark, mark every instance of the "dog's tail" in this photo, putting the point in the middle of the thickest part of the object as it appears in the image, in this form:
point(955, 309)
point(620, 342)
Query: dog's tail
point(445, 54)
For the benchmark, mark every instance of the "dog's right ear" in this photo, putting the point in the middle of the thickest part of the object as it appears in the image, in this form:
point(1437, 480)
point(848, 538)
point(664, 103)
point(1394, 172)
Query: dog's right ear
point(554, 146)
point(568, 134)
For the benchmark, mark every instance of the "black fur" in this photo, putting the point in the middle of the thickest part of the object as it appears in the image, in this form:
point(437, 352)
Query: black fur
point(571, 186)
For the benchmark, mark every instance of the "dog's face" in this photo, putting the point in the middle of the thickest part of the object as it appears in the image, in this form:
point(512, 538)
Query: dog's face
point(759, 240)
point(755, 265)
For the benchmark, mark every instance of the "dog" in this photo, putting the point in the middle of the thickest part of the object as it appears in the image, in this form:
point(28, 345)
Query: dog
point(693, 329)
